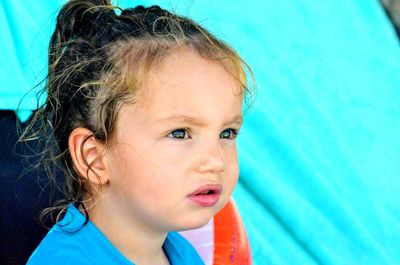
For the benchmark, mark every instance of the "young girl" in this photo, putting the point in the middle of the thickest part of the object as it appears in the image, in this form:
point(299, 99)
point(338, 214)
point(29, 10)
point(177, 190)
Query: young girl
point(143, 107)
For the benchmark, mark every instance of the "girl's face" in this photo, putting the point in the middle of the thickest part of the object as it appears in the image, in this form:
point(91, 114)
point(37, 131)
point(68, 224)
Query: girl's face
point(175, 146)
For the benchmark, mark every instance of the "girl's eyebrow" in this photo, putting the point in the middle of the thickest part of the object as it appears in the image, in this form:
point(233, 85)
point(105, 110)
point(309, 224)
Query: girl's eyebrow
point(198, 121)
point(238, 119)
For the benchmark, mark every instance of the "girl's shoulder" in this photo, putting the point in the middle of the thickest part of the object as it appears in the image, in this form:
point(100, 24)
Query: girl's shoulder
point(59, 248)
point(75, 241)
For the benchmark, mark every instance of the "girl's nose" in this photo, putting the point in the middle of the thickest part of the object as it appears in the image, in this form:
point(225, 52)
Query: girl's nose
point(212, 158)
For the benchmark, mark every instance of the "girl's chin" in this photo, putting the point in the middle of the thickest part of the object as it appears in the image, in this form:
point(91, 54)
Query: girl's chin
point(199, 219)
point(194, 223)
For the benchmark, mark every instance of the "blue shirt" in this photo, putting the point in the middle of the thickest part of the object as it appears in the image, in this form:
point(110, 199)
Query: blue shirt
point(70, 243)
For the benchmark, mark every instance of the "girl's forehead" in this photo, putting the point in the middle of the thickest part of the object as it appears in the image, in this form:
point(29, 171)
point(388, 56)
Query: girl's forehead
point(188, 89)
point(185, 77)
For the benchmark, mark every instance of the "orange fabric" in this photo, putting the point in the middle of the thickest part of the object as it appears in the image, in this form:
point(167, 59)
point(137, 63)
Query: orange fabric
point(231, 245)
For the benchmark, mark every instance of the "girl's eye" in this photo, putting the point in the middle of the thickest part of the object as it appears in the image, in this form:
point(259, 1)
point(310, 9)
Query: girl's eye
point(229, 134)
point(179, 134)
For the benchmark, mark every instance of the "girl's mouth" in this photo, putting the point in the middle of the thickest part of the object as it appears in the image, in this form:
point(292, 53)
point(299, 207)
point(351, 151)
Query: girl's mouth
point(206, 195)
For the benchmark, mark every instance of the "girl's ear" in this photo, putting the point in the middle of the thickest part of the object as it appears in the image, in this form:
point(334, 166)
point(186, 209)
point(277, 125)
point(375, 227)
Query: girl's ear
point(87, 156)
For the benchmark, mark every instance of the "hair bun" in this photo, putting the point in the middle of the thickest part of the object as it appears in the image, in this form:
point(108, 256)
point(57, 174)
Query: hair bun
point(88, 20)
point(154, 13)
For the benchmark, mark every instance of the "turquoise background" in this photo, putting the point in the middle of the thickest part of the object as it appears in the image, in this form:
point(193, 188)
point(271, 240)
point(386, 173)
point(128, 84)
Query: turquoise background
point(320, 148)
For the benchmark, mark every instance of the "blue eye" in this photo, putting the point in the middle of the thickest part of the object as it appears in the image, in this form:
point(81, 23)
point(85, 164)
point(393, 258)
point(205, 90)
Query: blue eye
point(179, 134)
point(229, 134)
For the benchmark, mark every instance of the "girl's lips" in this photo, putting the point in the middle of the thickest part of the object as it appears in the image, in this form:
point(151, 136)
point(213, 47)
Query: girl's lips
point(206, 195)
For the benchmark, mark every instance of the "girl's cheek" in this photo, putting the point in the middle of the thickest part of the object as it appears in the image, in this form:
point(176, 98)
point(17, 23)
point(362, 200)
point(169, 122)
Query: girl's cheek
point(171, 152)
point(231, 164)
point(230, 150)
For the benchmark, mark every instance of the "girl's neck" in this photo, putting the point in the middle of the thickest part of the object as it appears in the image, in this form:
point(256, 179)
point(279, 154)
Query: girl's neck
point(135, 240)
